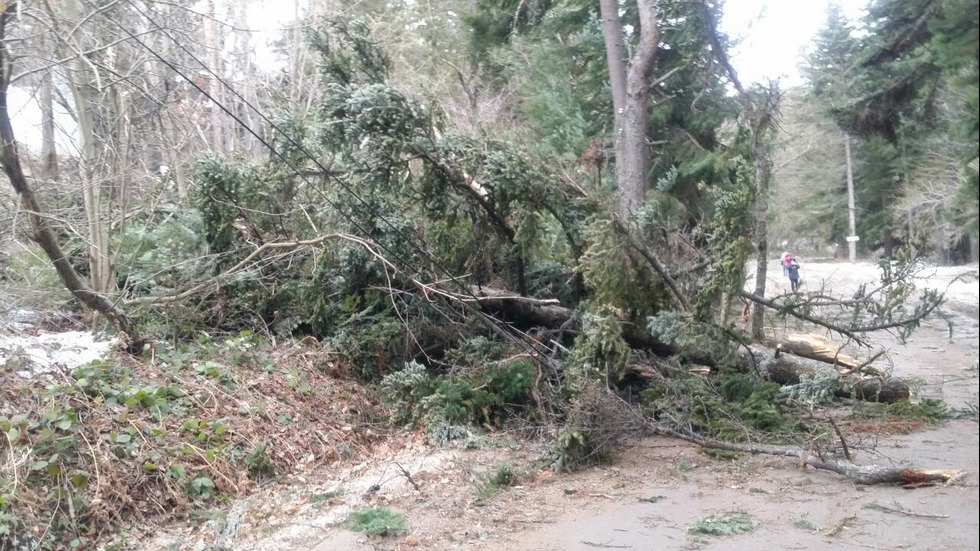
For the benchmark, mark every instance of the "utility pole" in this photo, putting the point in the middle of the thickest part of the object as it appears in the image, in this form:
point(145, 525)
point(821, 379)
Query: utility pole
point(852, 238)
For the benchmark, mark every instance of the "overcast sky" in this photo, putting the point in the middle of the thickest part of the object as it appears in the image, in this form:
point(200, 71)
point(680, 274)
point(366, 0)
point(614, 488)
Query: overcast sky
point(772, 34)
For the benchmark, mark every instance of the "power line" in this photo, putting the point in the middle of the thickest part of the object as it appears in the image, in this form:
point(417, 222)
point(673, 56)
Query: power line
point(494, 323)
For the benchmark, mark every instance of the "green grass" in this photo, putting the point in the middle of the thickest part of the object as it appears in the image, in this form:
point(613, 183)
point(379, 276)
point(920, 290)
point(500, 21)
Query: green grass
point(723, 525)
point(501, 477)
point(377, 521)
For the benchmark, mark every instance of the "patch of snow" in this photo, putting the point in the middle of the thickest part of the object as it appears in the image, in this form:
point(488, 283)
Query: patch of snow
point(48, 352)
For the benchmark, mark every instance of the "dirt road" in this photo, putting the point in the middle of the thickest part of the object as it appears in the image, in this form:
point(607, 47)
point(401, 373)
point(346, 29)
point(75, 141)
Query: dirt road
point(802, 509)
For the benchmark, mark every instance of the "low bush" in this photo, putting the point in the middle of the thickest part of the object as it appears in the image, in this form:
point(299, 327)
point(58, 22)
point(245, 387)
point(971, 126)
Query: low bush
point(377, 521)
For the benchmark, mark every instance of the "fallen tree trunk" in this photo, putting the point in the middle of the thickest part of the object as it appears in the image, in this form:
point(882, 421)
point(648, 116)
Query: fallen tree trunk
point(887, 390)
point(815, 347)
point(821, 349)
point(550, 314)
point(859, 474)
point(786, 369)
point(546, 313)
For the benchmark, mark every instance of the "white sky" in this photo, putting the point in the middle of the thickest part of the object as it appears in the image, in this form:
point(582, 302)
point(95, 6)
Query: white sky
point(771, 34)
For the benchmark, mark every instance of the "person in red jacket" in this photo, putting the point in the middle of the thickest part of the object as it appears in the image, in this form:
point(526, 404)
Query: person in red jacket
point(785, 259)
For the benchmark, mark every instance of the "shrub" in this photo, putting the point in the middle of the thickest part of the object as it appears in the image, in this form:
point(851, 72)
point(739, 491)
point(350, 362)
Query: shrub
point(445, 404)
point(377, 521)
point(258, 462)
point(597, 421)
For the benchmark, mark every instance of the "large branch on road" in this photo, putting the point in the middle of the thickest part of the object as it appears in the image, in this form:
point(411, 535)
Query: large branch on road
point(859, 474)
point(854, 332)
point(43, 234)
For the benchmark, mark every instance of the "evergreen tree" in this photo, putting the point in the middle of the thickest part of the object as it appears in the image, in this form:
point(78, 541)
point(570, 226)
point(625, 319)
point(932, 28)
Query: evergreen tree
point(830, 71)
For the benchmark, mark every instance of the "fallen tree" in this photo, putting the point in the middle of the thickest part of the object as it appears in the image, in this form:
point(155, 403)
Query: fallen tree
point(784, 369)
point(787, 369)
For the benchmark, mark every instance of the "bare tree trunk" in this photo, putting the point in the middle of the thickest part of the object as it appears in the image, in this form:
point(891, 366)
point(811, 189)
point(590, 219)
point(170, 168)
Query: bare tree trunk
point(183, 192)
point(612, 33)
point(633, 165)
point(98, 231)
point(49, 153)
point(760, 114)
point(83, 80)
point(296, 55)
point(761, 162)
point(851, 210)
point(43, 233)
point(122, 140)
point(212, 43)
point(630, 90)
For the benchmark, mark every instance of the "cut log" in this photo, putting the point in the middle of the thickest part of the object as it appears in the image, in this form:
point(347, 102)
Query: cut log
point(887, 390)
point(821, 349)
point(816, 347)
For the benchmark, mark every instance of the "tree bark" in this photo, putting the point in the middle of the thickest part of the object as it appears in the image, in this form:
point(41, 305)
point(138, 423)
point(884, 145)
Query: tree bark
point(630, 90)
point(43, 234)
point(98, 232)
point(212, 43)
point(851, 210)
point(612, 34)
point(761, 162)
point(786, 369)
point(49, 153)
point(83, 80)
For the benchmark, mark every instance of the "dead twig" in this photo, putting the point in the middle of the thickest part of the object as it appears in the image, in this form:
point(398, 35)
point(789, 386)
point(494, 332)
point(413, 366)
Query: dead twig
point(604, 545)
point(408, 477)
point(840, 435)
point(880, 507)
point(839, 527)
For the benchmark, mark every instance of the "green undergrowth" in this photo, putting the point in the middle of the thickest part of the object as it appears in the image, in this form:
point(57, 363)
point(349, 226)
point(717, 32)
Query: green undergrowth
point(806, 525)
point(179, 429)
point(377, 521)
point(495, 480)
point(729, 406)
point(449, 406)
point(929, 410)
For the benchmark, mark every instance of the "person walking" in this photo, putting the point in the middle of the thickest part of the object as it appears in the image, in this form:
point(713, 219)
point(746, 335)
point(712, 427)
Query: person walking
point(793, 271)
point(785, 259)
